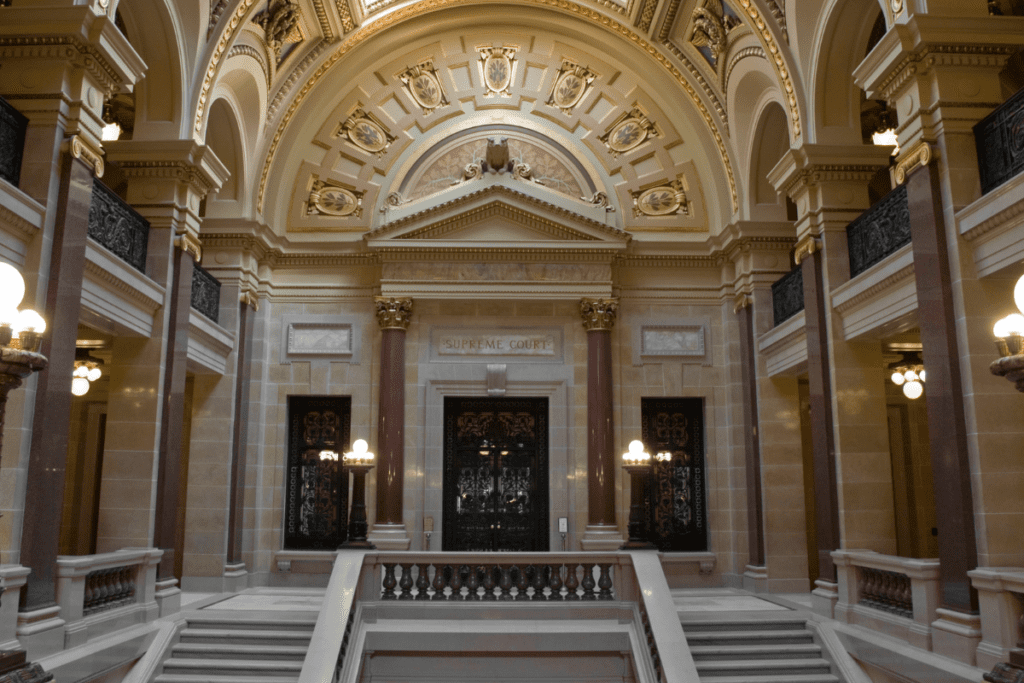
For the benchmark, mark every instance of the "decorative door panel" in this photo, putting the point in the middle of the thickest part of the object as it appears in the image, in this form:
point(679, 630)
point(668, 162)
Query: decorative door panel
point(495, 474)
point(677, 510)
point(316, 491)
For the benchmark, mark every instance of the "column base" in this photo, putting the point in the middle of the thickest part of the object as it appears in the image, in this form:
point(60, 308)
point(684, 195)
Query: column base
point(13, 578)
point(824, 598)
point(168, 596)
point(601, 538)
point(236, 578)
point(956, 635)
point(755, 578)
point(41, 632)
point(389, 537)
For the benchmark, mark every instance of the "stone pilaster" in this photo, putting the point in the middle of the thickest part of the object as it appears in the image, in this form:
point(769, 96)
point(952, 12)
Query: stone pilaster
point(389, 531)
point(602, 532)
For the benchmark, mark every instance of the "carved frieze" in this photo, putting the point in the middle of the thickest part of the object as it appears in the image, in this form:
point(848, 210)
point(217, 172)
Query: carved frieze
point(598, 314)
point(367, 132)
point(571, 84)
point(497, 69)
point(332, 200)
point(393, 313)
point(424, 86)
point(663, 200)
point(629, 131)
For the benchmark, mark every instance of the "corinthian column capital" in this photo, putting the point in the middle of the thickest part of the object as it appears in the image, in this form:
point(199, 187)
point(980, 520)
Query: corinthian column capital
point(598, 314)
point(393, 314)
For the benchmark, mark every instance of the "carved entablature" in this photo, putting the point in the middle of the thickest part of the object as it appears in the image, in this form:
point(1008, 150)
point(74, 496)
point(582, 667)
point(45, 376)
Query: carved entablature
point(393, 313)
point(367, 132)
point(497, 69)
point(571, 85)
point(424, 86)
point(668, 199)
point(629, 131)
point(332, 200)
point(598, 314)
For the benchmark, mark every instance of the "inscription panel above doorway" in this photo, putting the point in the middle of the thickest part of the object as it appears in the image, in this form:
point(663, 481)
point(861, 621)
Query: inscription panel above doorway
point(507, 344)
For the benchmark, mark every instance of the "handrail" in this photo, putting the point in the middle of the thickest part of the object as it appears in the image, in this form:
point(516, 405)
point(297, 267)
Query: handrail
point(324, 647)
point(13, 126)
point(994, 136)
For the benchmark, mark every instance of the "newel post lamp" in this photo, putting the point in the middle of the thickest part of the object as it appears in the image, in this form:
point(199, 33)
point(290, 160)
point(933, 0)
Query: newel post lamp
point(637, 462)
point(1009, 333)
point(359, 461)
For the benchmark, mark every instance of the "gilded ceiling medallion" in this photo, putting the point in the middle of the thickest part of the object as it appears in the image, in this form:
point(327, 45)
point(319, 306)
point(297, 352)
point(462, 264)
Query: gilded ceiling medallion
point(628, 132)
point(423, 86)
point(664, 200)
point(331, 200)
point(497, 69)
point(366, 132)
point(570, 86)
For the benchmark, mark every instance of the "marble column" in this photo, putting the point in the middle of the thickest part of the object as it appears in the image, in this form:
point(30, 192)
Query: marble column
point(389, 531)
point(602, 531)
point(751, 439)
point(240, 436)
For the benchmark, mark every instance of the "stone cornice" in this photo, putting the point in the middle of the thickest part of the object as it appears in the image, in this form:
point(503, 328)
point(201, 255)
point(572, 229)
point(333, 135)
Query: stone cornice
point(142, 299)
point(877, 288)
point(811, 165)
point(666, 261)
point(495, 254)
point(185, 161)
point(550, 228)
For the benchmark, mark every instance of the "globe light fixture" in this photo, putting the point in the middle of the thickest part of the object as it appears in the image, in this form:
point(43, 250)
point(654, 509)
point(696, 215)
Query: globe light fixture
point(636, 455)
point(913, 390)
point(637, 462)
point(18, 329)
point(1009, 334)
point(359, 461)
point(79, 386)
point(909, 374)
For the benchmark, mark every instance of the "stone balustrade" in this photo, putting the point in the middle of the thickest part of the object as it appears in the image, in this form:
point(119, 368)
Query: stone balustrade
point(1001, 601)
point(897, 596)
point(101, 593)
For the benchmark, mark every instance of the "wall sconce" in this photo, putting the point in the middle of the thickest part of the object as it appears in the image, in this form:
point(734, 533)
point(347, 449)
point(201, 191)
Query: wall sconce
point(18, 329)
point(909, 373)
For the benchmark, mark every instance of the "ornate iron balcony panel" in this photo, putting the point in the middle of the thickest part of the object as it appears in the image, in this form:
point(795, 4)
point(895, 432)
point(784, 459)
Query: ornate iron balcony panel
point(118, 227)
point(1000, 141)
point(205, 293)
point(788, 296)
point(879, 231)
point(13, 125)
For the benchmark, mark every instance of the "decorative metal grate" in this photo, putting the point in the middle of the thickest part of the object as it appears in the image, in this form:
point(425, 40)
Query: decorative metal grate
point(1000, 142)
point(879, 232)
point(788, 296)
point(13, 125)
point(885, 590)
point(118, 227)
point(205, 293)
point(504, 582)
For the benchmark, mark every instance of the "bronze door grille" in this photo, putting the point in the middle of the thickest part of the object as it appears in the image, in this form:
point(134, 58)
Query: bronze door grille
point(316, 491)
point(495, 474)
point(677, 508)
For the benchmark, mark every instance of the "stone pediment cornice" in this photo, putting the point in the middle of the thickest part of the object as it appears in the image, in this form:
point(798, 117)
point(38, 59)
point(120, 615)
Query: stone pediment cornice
point(551, 222)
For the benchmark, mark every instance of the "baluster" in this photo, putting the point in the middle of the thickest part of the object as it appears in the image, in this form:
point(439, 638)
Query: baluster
point(423, 582)
point(521, 583)
point(389, 582)
point(539, 581)
point(439, 581)
point(131, 583)
point(869, 586)
point(405, 583)
point(889, 594)
point(588, 582)
point(456, 584)
point(473, 583)
point(506, 583)
point(489, 583)
point(908, 597)
point(104, 582)
point(571, 582)
point(605, 583)
point(89, 593)
point(556, 583)
point(862, 585)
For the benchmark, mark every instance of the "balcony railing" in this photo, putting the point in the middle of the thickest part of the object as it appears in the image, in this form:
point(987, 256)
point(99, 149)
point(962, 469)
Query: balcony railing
point(118, 227)
point(879, 232)
point(788, 296)
point(1000, 142)
point(13, 125)
point(205, 293)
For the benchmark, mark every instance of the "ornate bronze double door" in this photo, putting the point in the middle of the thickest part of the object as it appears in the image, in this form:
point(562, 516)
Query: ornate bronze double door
point(495, 474)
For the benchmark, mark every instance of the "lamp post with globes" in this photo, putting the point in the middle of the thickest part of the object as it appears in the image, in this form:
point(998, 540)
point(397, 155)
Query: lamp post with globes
point(359, 461)
point(1009, 333)
point(637, 462)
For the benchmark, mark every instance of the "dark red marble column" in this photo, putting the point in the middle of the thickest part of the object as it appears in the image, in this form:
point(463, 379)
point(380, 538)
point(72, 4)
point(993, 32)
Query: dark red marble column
point(240, 434)
point(752, 443)
point(44, 495)
point(393, 315)
point(826, 496)
point(168, 534)
point(947, 430)
point(598, 319)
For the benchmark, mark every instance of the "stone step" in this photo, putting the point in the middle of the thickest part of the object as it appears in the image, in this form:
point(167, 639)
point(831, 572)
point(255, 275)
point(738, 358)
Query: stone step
point(205, 678)
point(762, 667)
point(240, 636)
point(793, 637)
point(254, 669)
point(743, 625)
point(759, 651)
point(220, 650)
point(772, 678)
point(205, 622)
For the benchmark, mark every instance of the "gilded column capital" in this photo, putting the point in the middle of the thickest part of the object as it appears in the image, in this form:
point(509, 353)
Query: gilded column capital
point(598, 314)
point(392, 313)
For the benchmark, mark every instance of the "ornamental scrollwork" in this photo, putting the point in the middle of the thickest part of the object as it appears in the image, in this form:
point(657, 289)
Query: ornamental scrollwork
point(424, 86)
point(598, 314)
point(664, 200)
point(497, 69)
point(280, 22)
point(711, 25)
point(332, 200)
point(392, 313)
point(118, 227)
point(629, 131)
point(571, 85)
point(367, 132)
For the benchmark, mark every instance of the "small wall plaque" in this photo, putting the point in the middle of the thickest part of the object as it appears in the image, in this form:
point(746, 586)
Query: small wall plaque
point(672, 341)
point(319, 339)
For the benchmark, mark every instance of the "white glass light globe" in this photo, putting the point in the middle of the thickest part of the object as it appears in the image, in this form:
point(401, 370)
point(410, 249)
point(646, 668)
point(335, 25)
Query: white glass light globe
point(1018, 294)
point(910, 376)
point(921, 376)
point(94, 374)
point(79, 386)
point(12, 286)
point(636, 446)
point(913, 390)
point(8, 315)
point(81, 371)
point(359, 446)
point(897, 378)
point(30, 320)
point(1010, 325)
